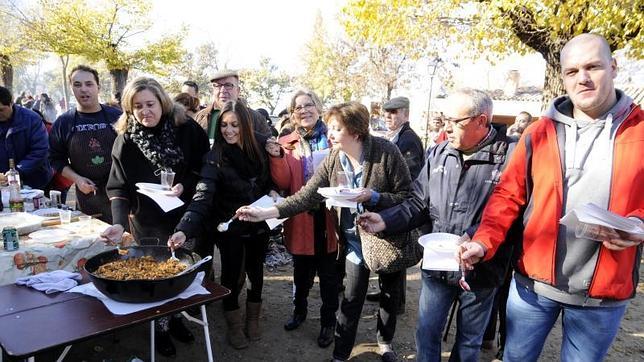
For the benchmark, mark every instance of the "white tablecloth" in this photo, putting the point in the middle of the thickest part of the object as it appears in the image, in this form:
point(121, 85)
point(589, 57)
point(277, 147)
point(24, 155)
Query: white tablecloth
point(36, 257)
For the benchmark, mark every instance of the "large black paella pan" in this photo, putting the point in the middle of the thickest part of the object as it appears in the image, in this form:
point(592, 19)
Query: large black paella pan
point(141, 290)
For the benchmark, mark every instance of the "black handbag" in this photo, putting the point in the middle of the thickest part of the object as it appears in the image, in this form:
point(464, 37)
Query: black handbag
point(390, 253)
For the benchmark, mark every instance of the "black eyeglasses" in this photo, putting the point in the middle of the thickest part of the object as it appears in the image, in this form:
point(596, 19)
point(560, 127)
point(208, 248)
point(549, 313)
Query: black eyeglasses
point(226, 86)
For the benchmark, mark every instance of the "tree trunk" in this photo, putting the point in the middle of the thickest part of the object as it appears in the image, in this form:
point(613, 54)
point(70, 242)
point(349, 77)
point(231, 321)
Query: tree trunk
point(64, 59)
point(390, 88)
point(119, 79)
point(553, 84)
point(6, 70)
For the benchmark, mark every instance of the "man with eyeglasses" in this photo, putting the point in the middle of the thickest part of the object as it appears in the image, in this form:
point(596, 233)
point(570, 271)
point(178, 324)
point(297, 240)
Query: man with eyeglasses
point(402, 135)
point(225, 87)
point(448, 196)
point(587, 148)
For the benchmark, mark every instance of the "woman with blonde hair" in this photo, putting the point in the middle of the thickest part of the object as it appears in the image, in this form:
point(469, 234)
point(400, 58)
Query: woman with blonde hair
point(154, 134)
point(310, 237)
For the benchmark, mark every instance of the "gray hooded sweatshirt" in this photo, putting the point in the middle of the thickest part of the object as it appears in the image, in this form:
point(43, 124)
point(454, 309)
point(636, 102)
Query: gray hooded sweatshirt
point(587, 165)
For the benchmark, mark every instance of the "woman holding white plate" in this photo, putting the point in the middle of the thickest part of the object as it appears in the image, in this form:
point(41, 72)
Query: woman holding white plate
point(382, 178)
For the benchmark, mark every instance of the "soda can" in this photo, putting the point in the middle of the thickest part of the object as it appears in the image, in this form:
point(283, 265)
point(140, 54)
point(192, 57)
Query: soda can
point(10, 238)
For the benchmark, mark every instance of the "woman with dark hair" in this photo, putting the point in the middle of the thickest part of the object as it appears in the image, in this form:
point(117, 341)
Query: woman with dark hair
point(382, 179)
point(154, 134)
point(309, 237)
point(235, 174)
point(47, 108)
point(190, 103)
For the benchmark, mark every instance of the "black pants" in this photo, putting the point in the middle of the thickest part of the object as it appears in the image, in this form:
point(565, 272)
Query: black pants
point(500, 301)
point(305, 267)
point(241, 257)
point(357, 284)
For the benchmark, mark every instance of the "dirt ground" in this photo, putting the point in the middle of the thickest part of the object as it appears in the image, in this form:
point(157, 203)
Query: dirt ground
point(300, 345)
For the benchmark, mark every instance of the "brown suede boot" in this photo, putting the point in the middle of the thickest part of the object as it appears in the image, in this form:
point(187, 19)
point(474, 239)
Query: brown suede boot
point(236, 337)
point(253, 310)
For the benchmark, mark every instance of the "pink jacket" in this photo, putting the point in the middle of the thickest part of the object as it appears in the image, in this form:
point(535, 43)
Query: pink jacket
point(287, 175)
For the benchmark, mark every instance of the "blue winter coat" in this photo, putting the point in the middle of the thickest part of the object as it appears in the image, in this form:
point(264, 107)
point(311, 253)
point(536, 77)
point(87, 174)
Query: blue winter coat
point(27, 142)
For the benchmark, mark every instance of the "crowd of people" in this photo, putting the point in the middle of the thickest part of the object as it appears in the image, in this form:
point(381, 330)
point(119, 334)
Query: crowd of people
point(501, 189)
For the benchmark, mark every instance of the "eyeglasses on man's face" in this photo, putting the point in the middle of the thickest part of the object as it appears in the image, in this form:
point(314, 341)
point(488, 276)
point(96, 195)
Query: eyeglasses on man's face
point(457, 121)
point(226, 86)
point(303, 107)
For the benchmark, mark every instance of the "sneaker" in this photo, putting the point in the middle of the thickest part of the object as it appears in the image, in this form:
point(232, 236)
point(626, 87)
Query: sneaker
point(388, 357)
point(295, 321)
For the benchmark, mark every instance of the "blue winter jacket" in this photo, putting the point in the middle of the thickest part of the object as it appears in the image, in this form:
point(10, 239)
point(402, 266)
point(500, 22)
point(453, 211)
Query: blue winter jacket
point(26, 141)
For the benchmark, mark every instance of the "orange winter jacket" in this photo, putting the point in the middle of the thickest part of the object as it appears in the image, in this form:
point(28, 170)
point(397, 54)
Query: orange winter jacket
point(287, 175)
point(534, 178)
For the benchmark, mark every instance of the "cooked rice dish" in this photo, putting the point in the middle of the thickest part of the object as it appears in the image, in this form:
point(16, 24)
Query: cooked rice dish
point(140, 268)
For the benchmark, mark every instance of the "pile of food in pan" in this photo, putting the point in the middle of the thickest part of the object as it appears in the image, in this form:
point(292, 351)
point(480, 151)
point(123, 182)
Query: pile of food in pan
point(146, 267)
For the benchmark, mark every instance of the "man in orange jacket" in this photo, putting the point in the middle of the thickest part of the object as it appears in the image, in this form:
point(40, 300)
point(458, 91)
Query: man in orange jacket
point(587, 148)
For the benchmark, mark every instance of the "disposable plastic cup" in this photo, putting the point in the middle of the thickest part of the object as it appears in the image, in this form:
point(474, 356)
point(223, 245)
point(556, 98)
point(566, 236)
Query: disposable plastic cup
point(345, 179)
point(65, 216)
point(85, 222)
point(167, 179)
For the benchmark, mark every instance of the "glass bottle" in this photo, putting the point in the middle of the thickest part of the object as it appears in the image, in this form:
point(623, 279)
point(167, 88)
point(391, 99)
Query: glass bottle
point(16, 202)
point(13, 177)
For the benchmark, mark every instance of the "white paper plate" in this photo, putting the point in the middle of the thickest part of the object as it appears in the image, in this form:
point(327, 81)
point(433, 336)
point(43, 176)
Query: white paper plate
point(439, 251)
point(156, 188)
point(439, 241)
point(338, 193)
point(52, 213)
point(49, 236)
point(24, 222)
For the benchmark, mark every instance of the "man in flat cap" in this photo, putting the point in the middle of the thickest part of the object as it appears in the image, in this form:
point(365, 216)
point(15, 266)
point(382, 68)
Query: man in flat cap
point(225, 87)
point(409, 144)
point(400, 133)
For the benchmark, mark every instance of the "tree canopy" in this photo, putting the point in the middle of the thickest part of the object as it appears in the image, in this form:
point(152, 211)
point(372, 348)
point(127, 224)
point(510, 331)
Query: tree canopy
point(101, 31)
point(544, 26)
point(388, 36)
point(330, 67)
point(264, 86)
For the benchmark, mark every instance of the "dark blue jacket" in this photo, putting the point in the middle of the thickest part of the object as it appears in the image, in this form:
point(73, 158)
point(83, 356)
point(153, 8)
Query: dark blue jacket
point(449, 196)
point(412, 150)
point(26, 141)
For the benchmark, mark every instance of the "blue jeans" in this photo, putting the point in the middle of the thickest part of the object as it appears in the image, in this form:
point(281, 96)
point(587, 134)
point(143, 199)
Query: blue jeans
point(436, 296)
point(587, 331)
